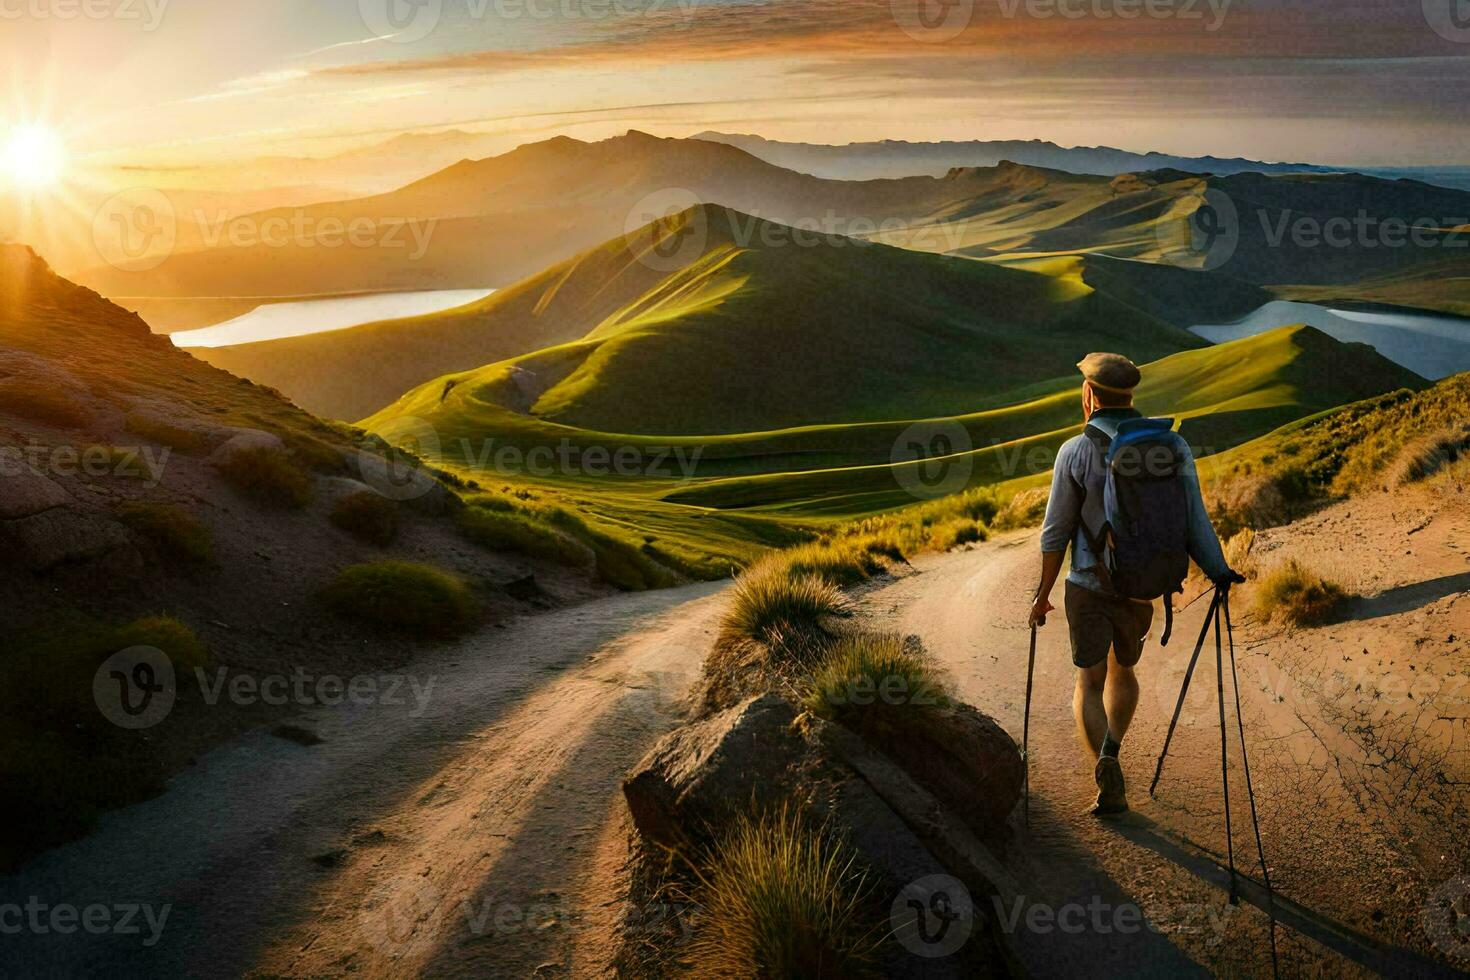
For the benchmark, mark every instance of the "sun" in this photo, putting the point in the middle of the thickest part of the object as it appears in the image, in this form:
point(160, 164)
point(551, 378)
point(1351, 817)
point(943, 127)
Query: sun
point(34, 157)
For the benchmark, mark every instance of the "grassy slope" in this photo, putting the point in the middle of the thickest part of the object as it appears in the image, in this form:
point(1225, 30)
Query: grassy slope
point(883, 334)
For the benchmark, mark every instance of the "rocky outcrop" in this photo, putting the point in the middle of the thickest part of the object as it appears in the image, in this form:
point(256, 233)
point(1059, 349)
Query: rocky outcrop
point(763, 752)
point(244, 440)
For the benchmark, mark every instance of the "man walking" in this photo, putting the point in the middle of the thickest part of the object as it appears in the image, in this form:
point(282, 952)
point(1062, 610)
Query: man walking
point(1100, 620)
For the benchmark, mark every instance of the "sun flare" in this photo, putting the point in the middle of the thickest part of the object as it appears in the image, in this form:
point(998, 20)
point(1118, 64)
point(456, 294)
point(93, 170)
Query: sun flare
point(34, 157)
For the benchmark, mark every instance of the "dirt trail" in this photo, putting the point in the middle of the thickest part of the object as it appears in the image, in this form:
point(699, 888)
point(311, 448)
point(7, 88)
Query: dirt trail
point(451, 839)
point(1354, 828)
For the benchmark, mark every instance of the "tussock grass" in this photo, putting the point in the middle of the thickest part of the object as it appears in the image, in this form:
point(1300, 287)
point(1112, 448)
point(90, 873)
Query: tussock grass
point(269, 477)
point(875, 684)
point(770, 604)
point(174, 532)
point(506, 530)
point(961, 531)
point(367, 516)
point(1025, 509)
point(39, 403)
point(190, 442)
point(841, 561)
point(783, 899)
point(1298, 595)
point(1430, 455)
point(403, 596)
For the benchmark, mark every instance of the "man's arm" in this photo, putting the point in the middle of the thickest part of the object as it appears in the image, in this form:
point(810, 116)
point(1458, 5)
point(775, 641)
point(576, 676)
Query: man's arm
point(1063, 512)
point(1204, 544)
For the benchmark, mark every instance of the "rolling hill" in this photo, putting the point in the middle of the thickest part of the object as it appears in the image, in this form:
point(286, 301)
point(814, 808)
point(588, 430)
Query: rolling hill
point(750, 334)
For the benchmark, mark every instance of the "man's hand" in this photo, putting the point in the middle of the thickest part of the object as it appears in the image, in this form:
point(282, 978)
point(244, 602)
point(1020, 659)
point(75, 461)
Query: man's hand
point(1039, 609)
point(1231, 577)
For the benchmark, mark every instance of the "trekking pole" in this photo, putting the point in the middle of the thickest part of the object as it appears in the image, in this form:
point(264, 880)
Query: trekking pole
point(1026, 735)
point(1224, 761)
point(1250, 792)
point(1184, 689)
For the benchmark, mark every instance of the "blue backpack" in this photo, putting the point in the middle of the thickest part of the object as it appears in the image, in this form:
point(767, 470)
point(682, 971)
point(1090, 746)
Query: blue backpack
point(1143, 546)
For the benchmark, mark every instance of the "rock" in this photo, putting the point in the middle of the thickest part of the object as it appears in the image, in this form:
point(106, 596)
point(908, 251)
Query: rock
point(335, 488)
point(406, 482)
point(245, 440)
point(24, 492)
point(701, 775)
point(60, 535)
point(967, 761)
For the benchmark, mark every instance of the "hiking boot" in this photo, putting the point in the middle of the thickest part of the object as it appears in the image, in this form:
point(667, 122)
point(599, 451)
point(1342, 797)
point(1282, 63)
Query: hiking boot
point(1112, 797)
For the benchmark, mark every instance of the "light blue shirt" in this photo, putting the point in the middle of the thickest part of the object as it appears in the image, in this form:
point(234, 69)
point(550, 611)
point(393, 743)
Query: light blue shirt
point(1080, 464)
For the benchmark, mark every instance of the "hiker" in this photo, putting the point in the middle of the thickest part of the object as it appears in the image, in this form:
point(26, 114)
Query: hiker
point(1133, 519)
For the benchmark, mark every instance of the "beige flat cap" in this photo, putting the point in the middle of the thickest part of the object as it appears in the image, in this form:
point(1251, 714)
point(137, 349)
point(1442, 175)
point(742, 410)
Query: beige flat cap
point(1112, 372)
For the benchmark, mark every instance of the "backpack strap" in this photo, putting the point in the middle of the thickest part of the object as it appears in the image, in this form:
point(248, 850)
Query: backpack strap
point(1098, 541)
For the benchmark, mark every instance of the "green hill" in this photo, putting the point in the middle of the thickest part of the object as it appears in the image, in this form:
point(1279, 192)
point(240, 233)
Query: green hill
point(760, 333)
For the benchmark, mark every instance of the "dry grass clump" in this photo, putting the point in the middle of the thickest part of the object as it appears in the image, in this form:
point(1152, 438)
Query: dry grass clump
point(367, 516)
point(1025, 509)
point(1443, 451)
point(1298, 595)
point(416, 599)
point(770, 604)
point(269, 477)
point(783, 899)
point(190, 442)
point(174, 532)
point(876, 684)
point(40, 403)
point(961, 531)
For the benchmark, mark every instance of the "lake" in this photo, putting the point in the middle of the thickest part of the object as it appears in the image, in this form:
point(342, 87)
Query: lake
point(1430, 345)
point(275, 321)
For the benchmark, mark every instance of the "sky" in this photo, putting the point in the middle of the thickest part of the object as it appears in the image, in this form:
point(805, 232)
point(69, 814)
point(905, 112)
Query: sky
point(1361, 82)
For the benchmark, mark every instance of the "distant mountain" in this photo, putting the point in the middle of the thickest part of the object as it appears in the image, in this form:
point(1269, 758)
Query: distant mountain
point(897, 158)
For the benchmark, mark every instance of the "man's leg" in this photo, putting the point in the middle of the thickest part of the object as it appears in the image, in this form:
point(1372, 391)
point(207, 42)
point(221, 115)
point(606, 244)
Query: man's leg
point(1088, 705)
point(1120, 698)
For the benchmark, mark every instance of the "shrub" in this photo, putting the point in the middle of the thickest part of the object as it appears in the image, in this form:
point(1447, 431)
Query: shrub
point(174, 532)
point(1426, 456)
point(367, 516)
point(191, 442)
point(782, 899)
point(269, 477)
point(950, 535)
point(34, 401)
point(403, 596)
point(770, 603)
point(501, 530)
point(875, 685)
point(1298, 595)
point(1025, 509)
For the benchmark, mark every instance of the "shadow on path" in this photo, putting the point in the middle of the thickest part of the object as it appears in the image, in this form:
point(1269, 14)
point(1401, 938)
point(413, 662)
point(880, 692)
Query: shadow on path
point(1407, 598)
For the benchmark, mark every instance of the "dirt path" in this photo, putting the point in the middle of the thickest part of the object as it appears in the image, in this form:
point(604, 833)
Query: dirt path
point(1347, 832)
point(448, 836)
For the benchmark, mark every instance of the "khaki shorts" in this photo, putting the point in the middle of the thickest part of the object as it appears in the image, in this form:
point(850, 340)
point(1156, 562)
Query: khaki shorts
point(1100, 623)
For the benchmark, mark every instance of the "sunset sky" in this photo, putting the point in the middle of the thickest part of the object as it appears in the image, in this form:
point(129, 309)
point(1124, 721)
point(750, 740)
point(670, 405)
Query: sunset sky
point(1334, 81)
